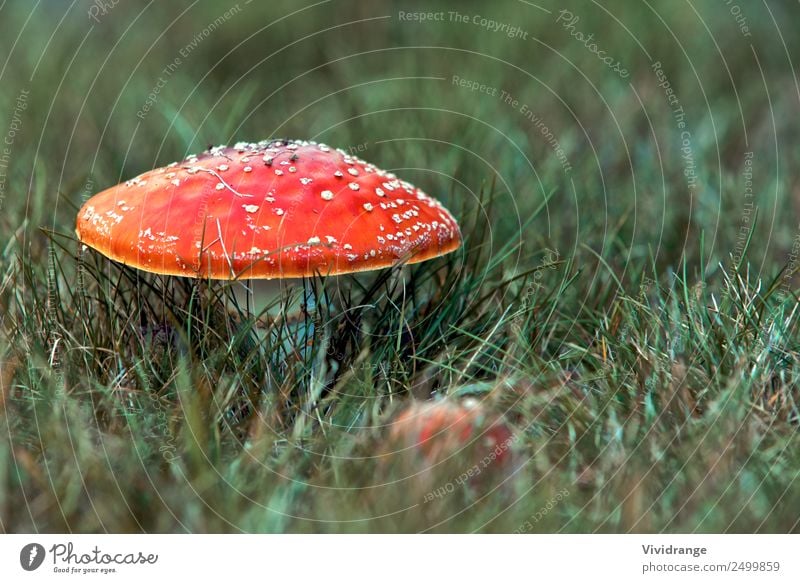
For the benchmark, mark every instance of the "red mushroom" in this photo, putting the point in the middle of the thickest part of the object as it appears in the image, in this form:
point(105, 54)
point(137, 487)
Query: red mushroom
point(441, 429)
point(271, 209)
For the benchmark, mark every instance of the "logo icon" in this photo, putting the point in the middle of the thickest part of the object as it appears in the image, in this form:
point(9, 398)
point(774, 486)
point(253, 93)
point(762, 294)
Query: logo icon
point(31, 556)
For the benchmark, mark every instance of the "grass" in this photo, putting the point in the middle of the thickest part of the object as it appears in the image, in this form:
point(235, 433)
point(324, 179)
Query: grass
point(636, 327)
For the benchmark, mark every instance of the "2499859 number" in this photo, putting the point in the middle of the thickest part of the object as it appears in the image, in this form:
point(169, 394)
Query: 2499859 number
point(755, 566)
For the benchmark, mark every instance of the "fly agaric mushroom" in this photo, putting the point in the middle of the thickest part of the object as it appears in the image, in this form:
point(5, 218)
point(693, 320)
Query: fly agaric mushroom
point(272, 209)
point(441, 429)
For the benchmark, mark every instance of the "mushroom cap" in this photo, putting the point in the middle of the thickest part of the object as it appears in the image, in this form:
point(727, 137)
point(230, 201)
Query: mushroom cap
point(272, 209)
point(440, 429)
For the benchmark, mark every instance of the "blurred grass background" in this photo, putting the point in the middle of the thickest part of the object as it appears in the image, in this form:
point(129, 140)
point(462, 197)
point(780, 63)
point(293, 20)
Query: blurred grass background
point(645, 362)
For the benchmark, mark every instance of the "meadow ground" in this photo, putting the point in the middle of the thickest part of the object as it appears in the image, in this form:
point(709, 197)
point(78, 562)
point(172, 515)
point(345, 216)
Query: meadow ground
point(626, 297)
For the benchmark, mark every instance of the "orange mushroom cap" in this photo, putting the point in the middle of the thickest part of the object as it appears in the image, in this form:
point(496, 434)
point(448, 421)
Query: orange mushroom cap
point(439, 429)
point(271, 209)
